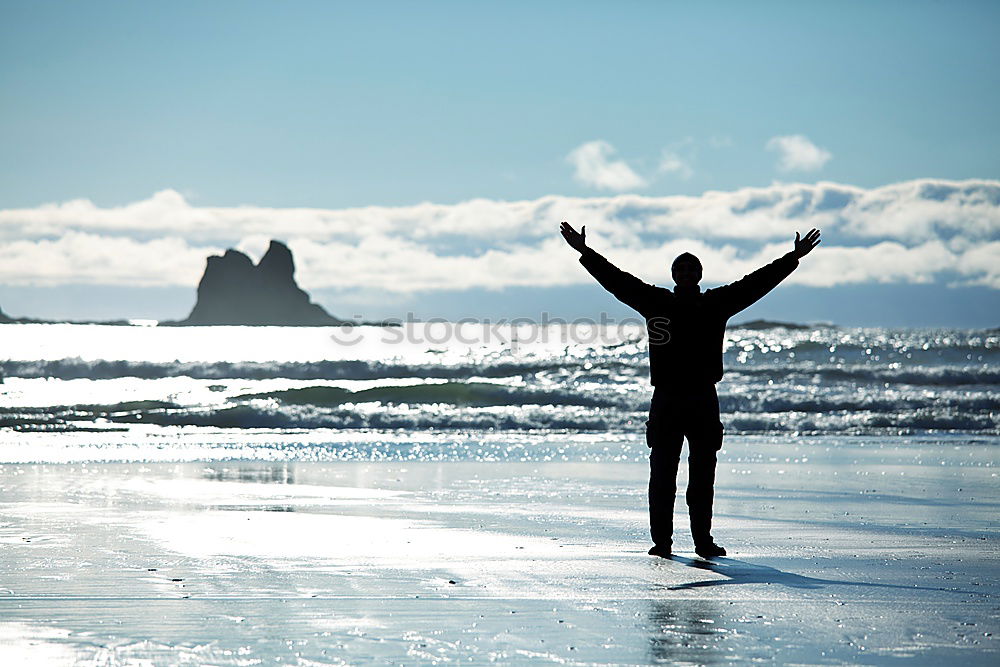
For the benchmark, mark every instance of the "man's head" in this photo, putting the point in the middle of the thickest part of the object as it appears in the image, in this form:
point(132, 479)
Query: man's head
point(686, 270)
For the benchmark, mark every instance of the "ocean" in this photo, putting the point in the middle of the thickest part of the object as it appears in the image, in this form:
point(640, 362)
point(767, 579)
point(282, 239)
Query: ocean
point(480, 391)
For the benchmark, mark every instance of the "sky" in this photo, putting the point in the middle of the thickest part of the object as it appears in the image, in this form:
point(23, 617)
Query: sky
point(417, 157)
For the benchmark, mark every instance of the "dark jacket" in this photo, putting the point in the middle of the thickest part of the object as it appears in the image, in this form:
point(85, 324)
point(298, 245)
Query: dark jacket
point(686, 327)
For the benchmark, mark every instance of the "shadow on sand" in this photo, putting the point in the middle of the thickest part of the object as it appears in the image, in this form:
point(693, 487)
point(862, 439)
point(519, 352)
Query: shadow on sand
point(741, 572)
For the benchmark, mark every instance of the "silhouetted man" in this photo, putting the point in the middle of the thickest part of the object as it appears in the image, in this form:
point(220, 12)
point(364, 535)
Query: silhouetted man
point(685, 332)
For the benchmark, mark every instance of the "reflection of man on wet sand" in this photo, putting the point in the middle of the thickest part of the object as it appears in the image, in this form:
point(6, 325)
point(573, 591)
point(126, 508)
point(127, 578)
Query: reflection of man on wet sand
point(685, 332)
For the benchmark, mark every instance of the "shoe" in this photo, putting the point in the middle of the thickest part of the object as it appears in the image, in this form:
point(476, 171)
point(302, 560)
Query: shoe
point(709, 550)
point(661, 551)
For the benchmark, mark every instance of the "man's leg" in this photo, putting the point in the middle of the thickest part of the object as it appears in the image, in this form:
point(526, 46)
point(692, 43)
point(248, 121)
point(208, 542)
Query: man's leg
point(701, 488)
point(704, 440)
point(665, 442)
point(663, 459)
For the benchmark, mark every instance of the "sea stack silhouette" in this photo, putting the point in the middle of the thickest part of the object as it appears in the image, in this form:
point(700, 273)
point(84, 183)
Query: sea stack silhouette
point(233, 291)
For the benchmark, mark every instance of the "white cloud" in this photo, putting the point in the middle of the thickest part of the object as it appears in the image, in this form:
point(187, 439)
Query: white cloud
point(595, 166)
point(79, 257)
point(981, 264)
point(672, 163)
point(886, 262)
point(916, 231)
point(797, 153)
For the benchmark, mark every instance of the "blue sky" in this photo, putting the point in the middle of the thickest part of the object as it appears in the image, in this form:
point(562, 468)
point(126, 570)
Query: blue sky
point(336, 105)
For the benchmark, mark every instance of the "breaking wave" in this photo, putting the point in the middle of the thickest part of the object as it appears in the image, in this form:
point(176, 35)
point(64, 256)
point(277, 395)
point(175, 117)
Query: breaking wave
point(74, 369)
point(493, 407)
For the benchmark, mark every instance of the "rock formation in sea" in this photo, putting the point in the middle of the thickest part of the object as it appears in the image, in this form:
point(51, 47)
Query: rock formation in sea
point(770, 324)
point(233, 291)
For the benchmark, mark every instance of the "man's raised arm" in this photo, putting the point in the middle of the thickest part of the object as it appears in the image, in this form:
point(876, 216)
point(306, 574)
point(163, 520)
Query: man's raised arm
point(749, 289)
point(624, 286)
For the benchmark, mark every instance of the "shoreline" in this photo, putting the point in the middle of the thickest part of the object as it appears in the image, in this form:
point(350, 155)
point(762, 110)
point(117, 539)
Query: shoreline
point(155, 444)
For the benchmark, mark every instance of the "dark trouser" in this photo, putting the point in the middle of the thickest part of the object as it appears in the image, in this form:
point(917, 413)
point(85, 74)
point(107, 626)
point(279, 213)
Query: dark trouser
point(676, 413)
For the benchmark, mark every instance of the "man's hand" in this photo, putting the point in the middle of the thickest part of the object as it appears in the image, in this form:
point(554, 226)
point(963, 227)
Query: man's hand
point(576, 240)
point(802, 246)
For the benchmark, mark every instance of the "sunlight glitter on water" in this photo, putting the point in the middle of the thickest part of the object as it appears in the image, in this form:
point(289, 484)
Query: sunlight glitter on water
point(438, 376)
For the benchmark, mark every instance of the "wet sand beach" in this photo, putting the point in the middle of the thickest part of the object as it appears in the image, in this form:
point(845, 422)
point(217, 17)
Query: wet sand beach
point(848, 554)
